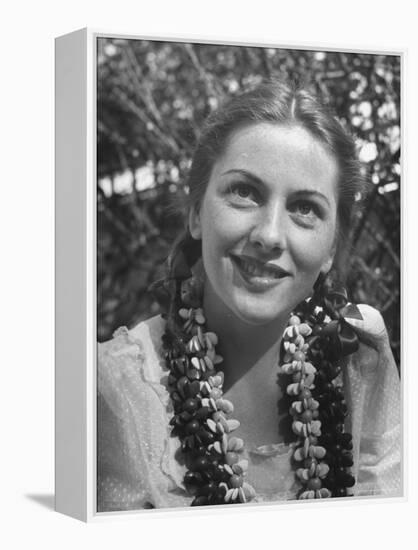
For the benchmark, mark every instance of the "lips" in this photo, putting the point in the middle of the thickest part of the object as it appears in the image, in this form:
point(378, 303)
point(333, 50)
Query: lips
point(257, 271)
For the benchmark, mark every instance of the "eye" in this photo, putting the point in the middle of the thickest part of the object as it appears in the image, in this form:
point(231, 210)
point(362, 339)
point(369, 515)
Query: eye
point(244, 193)
point(305, 208)
point(306, 212)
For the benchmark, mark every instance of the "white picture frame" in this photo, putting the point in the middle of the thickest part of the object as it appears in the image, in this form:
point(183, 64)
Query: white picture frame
point(76, 303)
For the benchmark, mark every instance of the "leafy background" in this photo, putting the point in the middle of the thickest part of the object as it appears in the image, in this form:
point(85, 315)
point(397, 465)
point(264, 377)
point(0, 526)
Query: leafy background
point(152, 98)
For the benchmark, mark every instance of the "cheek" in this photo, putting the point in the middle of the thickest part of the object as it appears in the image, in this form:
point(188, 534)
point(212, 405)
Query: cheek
point(311, 249)
point(221, 228)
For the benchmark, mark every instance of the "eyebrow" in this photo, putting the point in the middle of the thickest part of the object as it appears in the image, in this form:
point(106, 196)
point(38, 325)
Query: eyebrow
point(259, 181)
point(246, 174)
point(312, 192)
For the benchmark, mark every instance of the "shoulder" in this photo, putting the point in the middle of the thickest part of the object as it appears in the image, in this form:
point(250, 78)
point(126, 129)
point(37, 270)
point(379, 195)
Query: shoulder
point(366, 358)
point(370, 327)
point(138, 350)
point(133, 340)
point(149, 331)
point(373, 338)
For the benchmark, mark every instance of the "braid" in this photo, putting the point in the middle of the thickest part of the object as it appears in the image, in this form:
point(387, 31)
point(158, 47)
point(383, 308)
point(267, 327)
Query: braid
point(184, 254)
point(330, 294)
point(178, 287)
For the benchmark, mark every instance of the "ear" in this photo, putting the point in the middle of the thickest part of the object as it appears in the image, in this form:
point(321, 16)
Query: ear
point(195, 227)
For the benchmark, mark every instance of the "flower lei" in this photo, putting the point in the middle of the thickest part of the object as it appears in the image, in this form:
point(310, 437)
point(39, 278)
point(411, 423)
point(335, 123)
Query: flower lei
point(316, 338)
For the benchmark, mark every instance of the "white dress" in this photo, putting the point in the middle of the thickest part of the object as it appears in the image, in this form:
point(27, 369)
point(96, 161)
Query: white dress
point(139, 464)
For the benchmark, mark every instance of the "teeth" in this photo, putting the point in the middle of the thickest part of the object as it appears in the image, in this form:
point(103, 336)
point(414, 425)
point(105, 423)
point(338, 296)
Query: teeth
point(256, 270)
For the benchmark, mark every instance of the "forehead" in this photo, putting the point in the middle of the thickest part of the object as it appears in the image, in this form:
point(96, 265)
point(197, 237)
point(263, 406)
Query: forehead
point(285, 153)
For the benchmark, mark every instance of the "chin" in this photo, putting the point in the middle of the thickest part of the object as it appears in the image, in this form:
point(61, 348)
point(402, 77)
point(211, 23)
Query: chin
point(260, 310)
point(258, 321)
point(260, 314)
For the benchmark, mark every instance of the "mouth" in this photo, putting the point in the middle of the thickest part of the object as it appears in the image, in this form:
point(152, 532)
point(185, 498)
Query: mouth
point(256, 271)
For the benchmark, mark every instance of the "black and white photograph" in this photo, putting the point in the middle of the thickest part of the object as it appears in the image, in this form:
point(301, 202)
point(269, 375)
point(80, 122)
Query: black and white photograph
point(209, 275)
point(248, 274)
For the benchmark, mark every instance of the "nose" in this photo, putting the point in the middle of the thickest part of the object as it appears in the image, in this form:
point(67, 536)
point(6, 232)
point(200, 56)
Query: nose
point(269, 233)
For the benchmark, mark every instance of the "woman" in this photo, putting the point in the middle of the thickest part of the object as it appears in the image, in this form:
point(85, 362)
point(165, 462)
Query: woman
point(259, 382)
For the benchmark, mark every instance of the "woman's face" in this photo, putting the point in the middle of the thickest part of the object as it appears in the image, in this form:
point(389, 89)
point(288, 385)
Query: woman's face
point(267, 221)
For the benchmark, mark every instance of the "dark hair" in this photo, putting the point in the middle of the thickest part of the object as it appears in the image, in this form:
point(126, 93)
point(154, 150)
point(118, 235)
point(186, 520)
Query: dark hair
point(278, 103)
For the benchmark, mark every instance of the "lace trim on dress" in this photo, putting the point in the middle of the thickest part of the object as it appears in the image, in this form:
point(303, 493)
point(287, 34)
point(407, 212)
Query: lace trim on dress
point(155, 375)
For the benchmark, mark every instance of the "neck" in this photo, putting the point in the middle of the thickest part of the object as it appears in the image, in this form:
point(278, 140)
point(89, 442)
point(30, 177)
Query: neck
point(243, 346)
